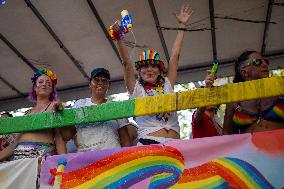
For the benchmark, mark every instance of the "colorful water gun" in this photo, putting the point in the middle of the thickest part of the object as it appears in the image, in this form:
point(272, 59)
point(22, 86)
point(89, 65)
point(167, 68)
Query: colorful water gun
point(214, 67)
point(125, 26)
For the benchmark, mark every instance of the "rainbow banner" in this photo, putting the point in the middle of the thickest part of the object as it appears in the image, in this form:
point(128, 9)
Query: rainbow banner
point(232, 161)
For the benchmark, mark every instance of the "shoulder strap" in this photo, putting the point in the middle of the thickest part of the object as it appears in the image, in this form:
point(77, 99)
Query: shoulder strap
point(46, 107)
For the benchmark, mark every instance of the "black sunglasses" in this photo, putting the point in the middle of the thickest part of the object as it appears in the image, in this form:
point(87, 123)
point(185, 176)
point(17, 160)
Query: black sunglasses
point(255, 62)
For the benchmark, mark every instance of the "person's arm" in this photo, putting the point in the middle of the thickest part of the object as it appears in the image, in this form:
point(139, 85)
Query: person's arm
point(128, 66)
point(228, 119)
point(132, 131)
point(124, 136)
point(182, 17)
point(127, 63)
point(199, 114)
point(8, 151)
point(67, 133)
point(59, 142)
point(209, 80)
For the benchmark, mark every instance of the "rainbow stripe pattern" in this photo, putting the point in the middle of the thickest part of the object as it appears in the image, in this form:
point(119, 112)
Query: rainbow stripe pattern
point(277, 112)
point(149, 57)
point(242, 120)
point(223, 173)
point(163, 164)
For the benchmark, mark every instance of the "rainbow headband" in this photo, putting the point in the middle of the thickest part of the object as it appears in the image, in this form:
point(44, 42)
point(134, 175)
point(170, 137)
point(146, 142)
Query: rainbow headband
point(47, 72)
point(149, 57)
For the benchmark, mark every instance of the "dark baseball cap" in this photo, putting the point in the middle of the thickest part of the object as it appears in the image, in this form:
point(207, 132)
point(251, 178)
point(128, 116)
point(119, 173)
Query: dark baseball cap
point(100, 72)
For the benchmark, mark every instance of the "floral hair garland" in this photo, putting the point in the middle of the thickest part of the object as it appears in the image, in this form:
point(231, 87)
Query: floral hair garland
point(47, 72)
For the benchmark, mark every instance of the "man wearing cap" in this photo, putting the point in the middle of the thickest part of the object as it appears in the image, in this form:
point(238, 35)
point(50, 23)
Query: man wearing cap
point(100, 135)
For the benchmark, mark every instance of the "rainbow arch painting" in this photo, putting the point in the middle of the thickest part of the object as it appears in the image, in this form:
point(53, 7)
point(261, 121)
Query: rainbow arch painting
point(165, 166)
point(223, 173)
point(130, 166)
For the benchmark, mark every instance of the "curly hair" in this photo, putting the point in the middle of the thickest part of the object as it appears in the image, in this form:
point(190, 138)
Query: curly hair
point(244, 56)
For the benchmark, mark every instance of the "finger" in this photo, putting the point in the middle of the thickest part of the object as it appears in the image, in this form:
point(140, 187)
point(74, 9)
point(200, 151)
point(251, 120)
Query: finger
point(116, 28)
point(60, 107)
point(182, 8)
point(116, 25)
point(56, 106)
point(186, 7)
point(208, 84)
point(190, 12)
point(117, 22)
point(53, 114)
point(208, 78)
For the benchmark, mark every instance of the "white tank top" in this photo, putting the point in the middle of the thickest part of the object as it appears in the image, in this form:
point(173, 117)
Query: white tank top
point(153, 123)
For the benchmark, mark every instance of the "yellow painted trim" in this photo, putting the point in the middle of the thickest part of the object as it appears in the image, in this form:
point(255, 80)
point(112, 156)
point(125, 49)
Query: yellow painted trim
point(235, 92)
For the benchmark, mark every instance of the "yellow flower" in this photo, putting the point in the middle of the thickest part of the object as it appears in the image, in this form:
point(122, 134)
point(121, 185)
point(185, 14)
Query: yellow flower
point(52, 76)
point(49, 73)
point(159, 89)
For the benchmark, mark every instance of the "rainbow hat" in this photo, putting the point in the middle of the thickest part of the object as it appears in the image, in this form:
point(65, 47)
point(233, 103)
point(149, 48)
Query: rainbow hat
point(47, 72)
point(149, 57)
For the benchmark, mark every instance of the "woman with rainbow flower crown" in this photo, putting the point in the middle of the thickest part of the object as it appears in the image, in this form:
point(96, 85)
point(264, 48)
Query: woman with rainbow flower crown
point(151, 81)
point(40, 143)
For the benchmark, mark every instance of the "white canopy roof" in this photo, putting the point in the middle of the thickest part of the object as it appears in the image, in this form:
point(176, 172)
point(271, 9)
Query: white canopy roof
point(69, 37)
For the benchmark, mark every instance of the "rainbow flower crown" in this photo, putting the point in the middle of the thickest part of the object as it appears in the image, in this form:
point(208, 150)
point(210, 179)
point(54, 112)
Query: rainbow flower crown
point(149, 57)
point(47, 72)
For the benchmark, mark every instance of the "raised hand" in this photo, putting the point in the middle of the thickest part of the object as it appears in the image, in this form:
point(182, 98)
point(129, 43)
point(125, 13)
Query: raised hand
point(209, 79)
point(184, 14)
point(58, 106)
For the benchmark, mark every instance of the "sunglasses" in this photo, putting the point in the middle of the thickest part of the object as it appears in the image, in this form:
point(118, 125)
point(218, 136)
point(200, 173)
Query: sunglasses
point(255, 62)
